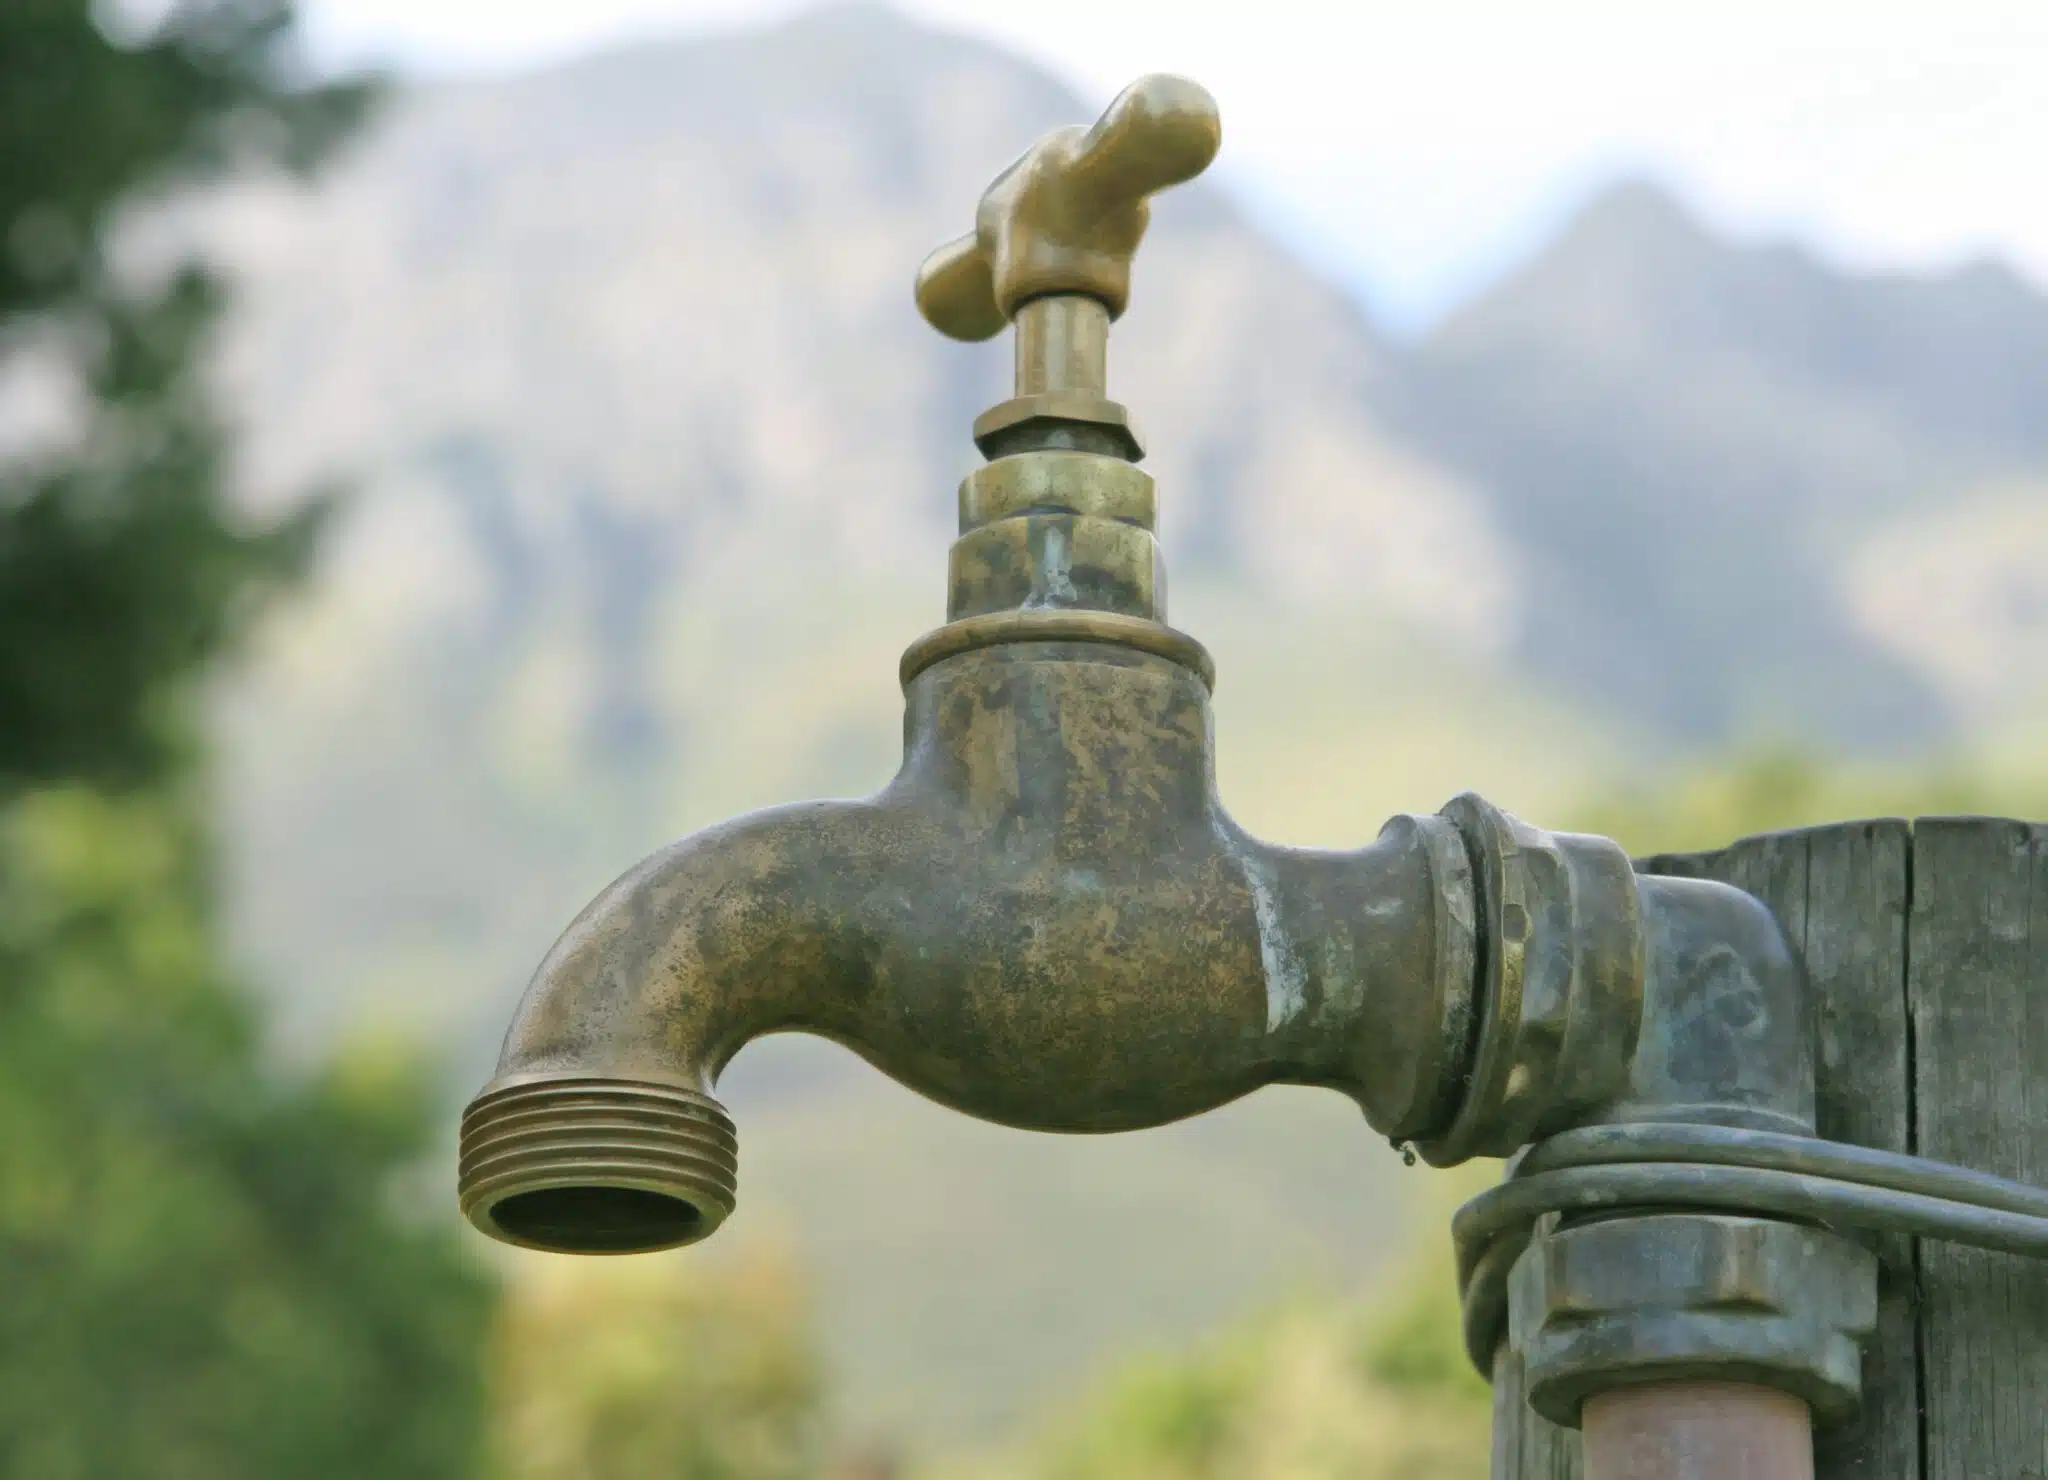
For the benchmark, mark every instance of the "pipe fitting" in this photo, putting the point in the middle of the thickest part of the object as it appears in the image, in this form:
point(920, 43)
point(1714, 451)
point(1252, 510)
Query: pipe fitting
point(1692, 1297)
point(1620, 1253)
point(1726, 1038)
point(1052, 530)
point(1561, 995)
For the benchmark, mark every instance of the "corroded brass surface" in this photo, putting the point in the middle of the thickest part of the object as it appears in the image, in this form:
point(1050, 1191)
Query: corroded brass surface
point(614, 1165)
point(1069, 419)
point(1046, 919)
point(1727, 1025)
point(1712, 1029)
point(1058, 482)
point(1068, 216)
point(1054, 560)
point(1051, 248)
point(1563, 985)
point(1063, 627)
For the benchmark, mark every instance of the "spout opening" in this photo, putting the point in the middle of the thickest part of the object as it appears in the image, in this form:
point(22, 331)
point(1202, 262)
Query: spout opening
point(596, 1220)
point(583, 1165)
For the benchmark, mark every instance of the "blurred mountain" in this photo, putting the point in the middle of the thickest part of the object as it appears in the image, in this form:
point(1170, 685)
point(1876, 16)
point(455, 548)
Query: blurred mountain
point(650, 314)
point(1704, 456)
point(651, 465)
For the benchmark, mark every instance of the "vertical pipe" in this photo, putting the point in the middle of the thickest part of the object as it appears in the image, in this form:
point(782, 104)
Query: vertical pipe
point(1697, 1431)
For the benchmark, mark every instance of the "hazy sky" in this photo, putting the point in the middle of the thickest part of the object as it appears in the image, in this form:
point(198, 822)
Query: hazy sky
point(1414, 149)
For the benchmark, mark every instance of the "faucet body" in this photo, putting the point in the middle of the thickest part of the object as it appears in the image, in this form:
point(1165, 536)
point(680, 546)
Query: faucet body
point(1047, 918)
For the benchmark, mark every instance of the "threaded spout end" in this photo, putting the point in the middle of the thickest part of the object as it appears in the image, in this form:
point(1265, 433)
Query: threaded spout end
point(585, 1165)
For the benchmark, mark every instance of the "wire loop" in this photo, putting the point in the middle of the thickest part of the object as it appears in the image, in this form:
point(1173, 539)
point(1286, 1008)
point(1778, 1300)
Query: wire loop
point(1609, 1169)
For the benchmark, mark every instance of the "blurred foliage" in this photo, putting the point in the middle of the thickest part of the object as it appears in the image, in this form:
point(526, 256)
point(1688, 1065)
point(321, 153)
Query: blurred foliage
point(1711, 806)
point(1367, 1388)
point(656, 1366)
point(121, 571)
point(211, 1269)
point(89, 120)
point(207, 1271)
point(121, 568)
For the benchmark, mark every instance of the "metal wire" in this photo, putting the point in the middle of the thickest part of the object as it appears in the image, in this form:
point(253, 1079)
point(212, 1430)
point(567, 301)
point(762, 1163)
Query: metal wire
point(1773, 1151)
point(1804, 1179)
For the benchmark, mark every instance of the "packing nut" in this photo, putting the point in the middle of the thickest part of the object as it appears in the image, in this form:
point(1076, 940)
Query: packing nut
point(1692, 1297)
point(1094, 422)
point(1051, 481)
point(1053, 561)
point(1056, 530)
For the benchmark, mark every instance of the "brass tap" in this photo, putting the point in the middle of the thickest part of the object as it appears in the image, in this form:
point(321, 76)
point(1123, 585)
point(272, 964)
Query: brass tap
point(1047, 919)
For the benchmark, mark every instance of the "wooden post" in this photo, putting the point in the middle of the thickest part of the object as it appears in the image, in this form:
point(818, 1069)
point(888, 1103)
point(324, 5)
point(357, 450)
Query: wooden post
point(1977, 981)
point(1927, 949)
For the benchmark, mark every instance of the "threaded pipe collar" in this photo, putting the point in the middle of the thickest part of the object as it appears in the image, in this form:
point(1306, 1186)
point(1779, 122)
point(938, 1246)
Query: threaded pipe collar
point(578, 1164)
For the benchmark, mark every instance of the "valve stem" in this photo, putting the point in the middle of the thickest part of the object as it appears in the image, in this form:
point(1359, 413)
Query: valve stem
point(1063, 346)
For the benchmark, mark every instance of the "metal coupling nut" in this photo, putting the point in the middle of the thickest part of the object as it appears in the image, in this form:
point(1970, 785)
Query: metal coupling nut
point(1692, 1297)
point(1562, 960)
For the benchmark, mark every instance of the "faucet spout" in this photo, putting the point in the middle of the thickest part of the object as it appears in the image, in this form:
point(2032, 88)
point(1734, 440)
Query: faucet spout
point(599, 1132)
point(759, 925)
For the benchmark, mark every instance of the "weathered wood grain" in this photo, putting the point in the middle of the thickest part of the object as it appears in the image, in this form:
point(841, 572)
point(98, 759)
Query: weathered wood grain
point(1841, 893)
point(1857, 888)
point(1527, 1446)
point(1978, 986)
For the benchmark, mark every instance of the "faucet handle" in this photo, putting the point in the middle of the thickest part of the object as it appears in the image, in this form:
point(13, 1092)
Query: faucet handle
point(1068, 216)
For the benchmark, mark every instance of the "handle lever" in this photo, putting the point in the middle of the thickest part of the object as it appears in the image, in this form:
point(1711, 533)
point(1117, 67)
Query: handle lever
point(1068, 216)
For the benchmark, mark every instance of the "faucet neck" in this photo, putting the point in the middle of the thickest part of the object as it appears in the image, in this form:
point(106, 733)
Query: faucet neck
point(1063, 346)
point(1056, 531)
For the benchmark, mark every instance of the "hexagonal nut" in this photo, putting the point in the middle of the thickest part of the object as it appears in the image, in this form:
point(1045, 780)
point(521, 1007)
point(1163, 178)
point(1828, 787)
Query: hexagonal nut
point(1692, 1296)
point(1056, 482)
point(1096, 423)
point(1056, 562)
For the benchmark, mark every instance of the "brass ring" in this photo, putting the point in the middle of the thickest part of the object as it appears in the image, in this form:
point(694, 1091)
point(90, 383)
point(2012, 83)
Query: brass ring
point(585, 1164)
point(994, 628)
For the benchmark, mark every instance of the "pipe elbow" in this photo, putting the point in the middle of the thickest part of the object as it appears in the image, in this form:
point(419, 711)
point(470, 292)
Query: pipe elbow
point(1726, 1032)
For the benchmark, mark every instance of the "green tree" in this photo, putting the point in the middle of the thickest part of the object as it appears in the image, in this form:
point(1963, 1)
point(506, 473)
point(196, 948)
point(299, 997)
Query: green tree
point(211, 1268)
point(122, 573)
point(1710, 806)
